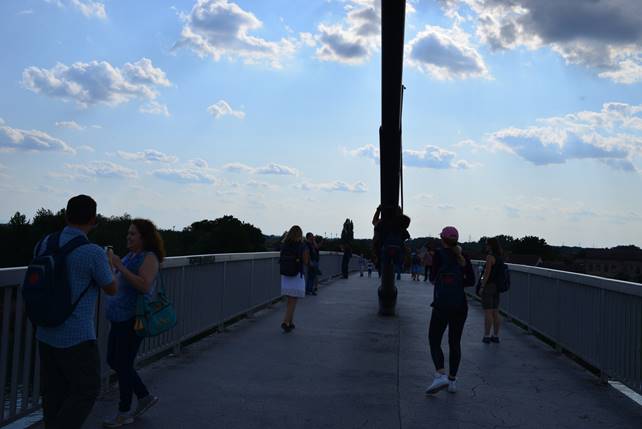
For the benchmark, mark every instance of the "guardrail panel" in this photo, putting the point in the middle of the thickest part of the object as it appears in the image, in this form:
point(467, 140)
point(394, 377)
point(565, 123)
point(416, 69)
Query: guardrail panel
point(238, 286)
point(543, 305)
point(580, 330)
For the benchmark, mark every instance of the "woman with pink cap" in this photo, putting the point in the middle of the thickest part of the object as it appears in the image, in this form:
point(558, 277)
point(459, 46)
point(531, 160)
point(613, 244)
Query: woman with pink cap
point(451, 272)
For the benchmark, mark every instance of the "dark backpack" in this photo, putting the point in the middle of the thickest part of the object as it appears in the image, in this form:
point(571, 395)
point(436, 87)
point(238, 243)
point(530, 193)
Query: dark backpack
point(502, 276)
point(45, 290)
point(449, 285)
point(291, 260)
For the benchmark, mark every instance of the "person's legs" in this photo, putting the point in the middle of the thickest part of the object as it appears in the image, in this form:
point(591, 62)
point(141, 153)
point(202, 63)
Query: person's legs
point(80, 365)
point(426, 273)
point(309, 282)
point(488, 322)
point(455, 330)
point(289, 313)
point(122, 350)
point(54, 386)
point(497, 321)
point(438, 323)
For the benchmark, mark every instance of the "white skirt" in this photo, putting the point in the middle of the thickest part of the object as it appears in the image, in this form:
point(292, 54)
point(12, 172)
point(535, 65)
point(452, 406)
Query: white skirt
point(293, 286)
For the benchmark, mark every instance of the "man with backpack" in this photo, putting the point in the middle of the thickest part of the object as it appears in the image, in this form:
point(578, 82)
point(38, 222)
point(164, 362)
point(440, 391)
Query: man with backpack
point(60, 291)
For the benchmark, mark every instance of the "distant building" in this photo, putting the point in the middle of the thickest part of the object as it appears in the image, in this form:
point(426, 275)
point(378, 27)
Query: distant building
point(624, 263)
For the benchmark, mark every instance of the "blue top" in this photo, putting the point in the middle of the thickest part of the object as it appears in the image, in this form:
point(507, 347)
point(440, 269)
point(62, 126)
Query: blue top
point(122, 306)
point(86, 265)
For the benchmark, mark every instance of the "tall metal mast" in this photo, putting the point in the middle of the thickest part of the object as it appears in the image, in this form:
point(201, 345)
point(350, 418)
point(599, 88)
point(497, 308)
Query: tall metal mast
point(393, 14)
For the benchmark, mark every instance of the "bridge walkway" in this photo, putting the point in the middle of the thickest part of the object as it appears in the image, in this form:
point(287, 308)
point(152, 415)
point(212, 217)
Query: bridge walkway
point(345, 367)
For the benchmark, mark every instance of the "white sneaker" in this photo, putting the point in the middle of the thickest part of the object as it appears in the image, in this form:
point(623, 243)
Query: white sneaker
point(452, 386)
point(439, 382)
point(117, 420)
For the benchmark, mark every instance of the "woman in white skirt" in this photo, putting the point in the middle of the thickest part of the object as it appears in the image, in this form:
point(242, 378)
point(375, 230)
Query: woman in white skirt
point(293, 260)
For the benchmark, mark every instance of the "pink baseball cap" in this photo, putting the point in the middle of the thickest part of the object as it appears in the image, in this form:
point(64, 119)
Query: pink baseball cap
point(450, 232)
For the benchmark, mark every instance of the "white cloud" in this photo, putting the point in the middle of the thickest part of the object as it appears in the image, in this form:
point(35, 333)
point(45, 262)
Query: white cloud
point(222, 108)
point(90, 8)
point(97, 82)
point(72, 125)
point(356, 38)
point(198, 163)
point(149, 155)
point(237, 167)
point(87, 148)
point(25, 12)
point(30, 140)
point(258, 185)
point(277, 169)
point(155, 108)
point(612, 135)
point(336, 186)
point(602, 35)
point(102, 169)
point(186, 175)
point(428, 157)
point(220, 28)
point(445, 54)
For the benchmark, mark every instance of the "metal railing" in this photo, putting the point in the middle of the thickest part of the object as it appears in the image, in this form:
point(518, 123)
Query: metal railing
point(206, 290)
point(598, 320)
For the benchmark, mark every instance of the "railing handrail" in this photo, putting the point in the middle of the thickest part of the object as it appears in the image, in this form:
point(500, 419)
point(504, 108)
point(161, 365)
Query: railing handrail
point(621, 286)
point(12, 276)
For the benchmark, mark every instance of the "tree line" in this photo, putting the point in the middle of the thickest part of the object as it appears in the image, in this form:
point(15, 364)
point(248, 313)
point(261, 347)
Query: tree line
point(223, 235)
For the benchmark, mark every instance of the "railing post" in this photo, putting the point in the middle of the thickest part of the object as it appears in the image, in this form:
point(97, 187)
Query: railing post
point(558, 318)
point(221, 325)
point(250, 312)
point(604, 378)
point(528, 301)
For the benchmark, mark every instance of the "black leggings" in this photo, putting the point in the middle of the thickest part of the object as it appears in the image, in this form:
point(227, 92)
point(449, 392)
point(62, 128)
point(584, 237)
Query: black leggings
point(122, 348)
point(455, 322)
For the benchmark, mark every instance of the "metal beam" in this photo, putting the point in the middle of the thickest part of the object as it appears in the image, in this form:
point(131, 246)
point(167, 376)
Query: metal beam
point(393, 13)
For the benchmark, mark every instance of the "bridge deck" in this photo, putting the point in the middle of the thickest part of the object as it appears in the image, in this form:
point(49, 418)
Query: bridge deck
point(344, 367)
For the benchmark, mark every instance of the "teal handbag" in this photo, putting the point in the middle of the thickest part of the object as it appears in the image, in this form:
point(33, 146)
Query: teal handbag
point(154, 317)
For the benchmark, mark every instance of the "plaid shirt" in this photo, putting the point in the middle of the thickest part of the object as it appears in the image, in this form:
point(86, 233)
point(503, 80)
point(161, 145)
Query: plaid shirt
point(86, 265)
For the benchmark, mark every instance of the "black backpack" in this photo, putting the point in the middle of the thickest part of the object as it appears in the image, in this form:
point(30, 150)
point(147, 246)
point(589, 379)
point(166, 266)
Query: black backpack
point(449, 285)
point(45, 290)
point(291, 260)
point(502, 276)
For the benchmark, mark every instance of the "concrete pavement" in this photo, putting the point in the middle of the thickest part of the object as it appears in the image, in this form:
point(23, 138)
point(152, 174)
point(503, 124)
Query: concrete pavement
point(345, 367)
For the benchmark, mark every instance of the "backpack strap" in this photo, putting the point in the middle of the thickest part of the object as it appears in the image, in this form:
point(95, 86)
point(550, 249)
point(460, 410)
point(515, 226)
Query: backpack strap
point(53, 243)
point(69, 247)
point(72, 245)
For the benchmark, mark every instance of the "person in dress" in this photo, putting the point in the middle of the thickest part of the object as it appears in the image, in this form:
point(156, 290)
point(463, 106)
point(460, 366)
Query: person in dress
point(294, 257)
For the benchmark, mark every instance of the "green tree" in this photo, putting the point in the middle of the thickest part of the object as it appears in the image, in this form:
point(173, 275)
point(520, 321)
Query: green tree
point(18, 219)
point(347, 233)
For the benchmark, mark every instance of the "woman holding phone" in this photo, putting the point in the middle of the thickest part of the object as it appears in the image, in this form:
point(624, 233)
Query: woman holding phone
point(137, 273)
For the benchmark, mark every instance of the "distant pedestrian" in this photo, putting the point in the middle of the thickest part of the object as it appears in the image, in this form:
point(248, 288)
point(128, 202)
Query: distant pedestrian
point(451, 272)
point(292, 260)
point(489, 291)
point(313, 266)
point(427, 262)
point(416, 266)
point(137, 274)
point(362, 266)
point(370, 268)
point(69, 359)
point(345, 260)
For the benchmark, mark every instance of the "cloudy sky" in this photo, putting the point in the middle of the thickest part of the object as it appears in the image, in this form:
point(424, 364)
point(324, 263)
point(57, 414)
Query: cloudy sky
point(520, 116)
